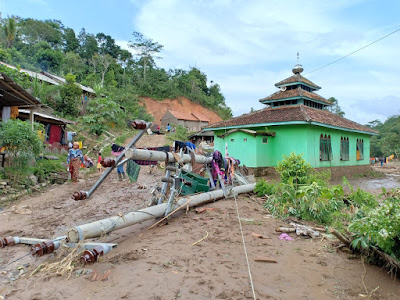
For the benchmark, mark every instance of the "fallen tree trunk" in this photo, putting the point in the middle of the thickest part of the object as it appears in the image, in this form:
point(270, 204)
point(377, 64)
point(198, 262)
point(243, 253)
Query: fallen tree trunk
point(101, 227)
point(340, 237)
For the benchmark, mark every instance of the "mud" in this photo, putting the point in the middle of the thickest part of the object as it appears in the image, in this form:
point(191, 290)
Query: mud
point(162, 263)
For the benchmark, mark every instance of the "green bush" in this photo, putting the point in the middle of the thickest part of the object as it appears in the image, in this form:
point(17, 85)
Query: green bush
point(44, 168)
point(22, 144)
point(294, 169)
point(180, 134)
point(320, 177)
point(379, 227)
point(265, 188)
point(310, 202)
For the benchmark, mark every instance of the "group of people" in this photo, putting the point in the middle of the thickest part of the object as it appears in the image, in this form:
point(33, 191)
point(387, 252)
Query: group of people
point(76, 159)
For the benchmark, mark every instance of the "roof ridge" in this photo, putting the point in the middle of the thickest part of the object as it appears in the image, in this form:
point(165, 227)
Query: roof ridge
point(304, 112)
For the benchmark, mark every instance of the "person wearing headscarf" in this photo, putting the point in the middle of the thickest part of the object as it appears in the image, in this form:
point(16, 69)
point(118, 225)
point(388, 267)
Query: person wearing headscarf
point(74, 160)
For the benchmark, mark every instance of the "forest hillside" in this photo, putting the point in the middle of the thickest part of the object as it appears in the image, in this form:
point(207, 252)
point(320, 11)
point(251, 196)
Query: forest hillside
point(118, 77)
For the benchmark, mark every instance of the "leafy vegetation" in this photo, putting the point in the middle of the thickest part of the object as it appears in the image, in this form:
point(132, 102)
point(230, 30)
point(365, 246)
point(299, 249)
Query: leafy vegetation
point(358, 213)
point(97, 61)
point(387, 142)
point(293, 169)
point(43, 168)
point(379, 226)
point(22, 144)
point(180, 134)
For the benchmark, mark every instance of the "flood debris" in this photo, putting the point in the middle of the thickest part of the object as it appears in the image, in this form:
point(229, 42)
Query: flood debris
point(199, 241)
point(266, 260)
point(301, 230)
point(178, 181)
point(259, 236)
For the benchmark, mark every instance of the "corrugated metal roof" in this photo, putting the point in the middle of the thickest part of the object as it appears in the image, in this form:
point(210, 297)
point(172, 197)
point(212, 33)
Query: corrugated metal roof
point(14, 95)
point(45, 116)
point(49, 78)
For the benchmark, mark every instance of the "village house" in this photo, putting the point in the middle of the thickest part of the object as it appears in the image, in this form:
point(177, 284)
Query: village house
point(15, 102)
point(296, 120)
point(55, 128)
point(192, 122)
point(13, 97)
point(52, 79)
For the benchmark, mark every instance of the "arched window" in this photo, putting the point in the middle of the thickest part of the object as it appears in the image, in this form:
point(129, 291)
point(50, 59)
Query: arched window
point(360, 149)
point(325, 148)
point(344, 148)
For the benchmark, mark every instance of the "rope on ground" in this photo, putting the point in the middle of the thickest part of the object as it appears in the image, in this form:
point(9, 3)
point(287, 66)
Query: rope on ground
point(245, 250)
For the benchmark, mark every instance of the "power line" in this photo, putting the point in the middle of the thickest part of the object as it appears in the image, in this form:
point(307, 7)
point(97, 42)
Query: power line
point(343, 57)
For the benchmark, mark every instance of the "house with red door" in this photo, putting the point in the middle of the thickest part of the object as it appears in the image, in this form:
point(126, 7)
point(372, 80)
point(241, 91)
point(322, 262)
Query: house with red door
point(55, 128)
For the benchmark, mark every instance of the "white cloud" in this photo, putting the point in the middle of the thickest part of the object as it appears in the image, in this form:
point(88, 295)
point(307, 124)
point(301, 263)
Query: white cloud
point(248, 46)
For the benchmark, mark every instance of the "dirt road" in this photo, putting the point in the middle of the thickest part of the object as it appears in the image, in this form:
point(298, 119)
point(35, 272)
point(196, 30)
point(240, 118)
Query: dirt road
point(162, 263)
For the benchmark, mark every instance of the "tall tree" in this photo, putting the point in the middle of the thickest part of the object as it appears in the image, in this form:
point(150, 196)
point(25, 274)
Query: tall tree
point(146, 49)
point(107, 45)
point(87, 45)
point(70, 93)
point(71, 43)
point(123, 58)
point(335, 108)
point(72, 63)
point(48, 59)
point(101, 64)
point(10, 29)
point(34, 31)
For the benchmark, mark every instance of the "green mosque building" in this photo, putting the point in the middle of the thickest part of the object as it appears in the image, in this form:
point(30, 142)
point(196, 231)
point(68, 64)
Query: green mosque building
point(296, 120)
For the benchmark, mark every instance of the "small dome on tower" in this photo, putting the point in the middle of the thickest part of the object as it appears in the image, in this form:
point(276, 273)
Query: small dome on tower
point(297, 69)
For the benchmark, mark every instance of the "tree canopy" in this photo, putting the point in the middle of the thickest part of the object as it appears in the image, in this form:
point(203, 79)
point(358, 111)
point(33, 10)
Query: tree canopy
point(97, 61)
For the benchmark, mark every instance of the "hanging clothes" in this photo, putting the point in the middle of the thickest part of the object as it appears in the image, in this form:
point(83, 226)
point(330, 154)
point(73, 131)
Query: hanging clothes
point(55, 134)
point(217, 164)
point(14, 112)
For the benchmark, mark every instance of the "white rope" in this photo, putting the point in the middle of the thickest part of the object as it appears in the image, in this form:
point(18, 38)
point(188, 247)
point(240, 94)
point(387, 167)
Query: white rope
point(245, 250)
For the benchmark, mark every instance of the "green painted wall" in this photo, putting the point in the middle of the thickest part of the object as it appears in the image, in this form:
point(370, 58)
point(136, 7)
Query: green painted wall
point(300, 139)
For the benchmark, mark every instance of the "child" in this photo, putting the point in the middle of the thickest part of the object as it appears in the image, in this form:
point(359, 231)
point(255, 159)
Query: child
point(99, 166)
point(88, 161)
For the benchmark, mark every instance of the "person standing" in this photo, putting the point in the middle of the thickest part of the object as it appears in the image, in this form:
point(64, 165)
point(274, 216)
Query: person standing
point(168, 128)
point(74, 160)
point(99, 166)
point(116, 150)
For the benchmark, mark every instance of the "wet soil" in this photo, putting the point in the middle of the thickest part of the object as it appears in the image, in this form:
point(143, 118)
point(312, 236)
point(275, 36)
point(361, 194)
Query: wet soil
point(163, 263)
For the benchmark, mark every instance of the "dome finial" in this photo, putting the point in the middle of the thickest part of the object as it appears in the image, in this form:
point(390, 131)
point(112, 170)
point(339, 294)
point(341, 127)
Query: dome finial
point(297, 69)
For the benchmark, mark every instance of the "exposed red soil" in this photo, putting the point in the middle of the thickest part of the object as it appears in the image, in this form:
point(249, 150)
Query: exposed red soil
point(158, 108)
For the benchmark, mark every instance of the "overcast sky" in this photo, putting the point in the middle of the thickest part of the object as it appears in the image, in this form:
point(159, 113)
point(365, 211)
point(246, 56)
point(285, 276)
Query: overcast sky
point(247, 46)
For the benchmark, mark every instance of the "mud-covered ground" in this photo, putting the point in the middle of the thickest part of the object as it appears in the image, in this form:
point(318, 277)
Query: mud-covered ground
point(162, 263)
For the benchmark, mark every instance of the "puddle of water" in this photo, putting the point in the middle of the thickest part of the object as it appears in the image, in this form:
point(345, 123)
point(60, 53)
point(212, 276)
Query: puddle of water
point(389, 182)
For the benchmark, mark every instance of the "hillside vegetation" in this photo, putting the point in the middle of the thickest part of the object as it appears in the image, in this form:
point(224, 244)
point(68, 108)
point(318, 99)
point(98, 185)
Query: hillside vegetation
point(95, 60)
point(387, 142)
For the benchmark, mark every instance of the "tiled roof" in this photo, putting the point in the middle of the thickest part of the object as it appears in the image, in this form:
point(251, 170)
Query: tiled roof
point(299, 92)
point(182, 116)
point(297, 78)
point(292, 113)
point(201, 117)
